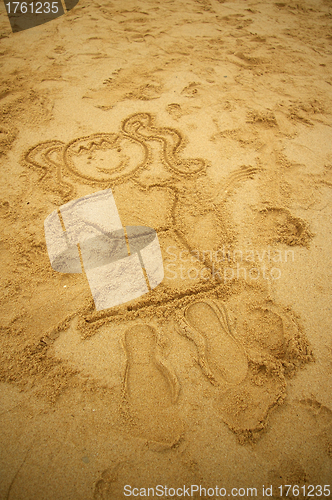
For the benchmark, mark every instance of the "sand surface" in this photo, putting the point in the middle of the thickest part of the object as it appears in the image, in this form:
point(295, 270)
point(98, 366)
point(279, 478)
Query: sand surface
point(211, 123)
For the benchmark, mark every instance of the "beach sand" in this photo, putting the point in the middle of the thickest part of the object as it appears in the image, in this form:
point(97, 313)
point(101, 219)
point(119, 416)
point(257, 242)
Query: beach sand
point(211, 123)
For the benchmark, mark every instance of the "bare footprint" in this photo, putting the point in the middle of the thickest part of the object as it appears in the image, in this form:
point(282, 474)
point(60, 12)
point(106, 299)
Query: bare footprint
point(103, 486)
point(288, 472)
point(220, 356)
point(322, 416)
point(150, 391)
point(133, 476)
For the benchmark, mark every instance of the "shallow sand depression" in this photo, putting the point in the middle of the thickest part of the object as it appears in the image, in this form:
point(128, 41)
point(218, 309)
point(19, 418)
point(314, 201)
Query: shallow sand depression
point(210, 121)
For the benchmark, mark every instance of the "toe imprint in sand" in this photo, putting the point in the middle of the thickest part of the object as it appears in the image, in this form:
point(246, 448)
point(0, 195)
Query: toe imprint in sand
point(150, 390)
point(220, 356)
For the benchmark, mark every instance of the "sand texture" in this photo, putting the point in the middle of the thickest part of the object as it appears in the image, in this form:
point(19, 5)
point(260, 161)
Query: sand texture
point(210, 121)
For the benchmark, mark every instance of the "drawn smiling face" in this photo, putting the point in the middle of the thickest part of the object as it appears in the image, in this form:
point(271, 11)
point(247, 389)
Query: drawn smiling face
point(140, 150)
point(103, 158)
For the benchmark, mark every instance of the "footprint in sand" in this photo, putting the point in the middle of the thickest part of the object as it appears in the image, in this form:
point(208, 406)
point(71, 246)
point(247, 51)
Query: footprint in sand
point(289, 472)
point(322, 419)
point(247, 389)
point(143, 472)
point(150, 391)
point(221, 358)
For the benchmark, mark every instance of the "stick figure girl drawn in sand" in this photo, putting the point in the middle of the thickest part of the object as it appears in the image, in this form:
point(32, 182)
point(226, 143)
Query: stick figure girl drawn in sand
point(144, 166)
point(155, 186)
